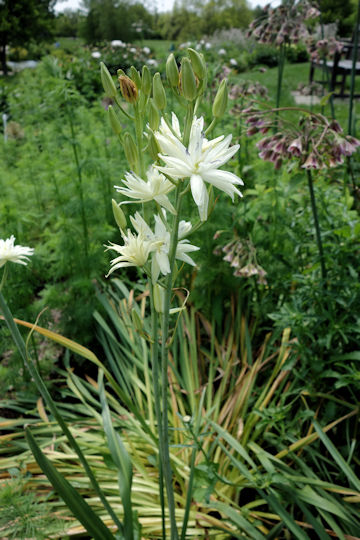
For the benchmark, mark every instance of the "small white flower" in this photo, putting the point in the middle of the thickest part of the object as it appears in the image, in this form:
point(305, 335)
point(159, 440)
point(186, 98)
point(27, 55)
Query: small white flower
point(233, 62)
point(146, 50)
point(134, 252)
point(96, 54)
point(133, 50)
point(117, 43)
point(156, 188)
point(11, 253)
point(222, 52)
point(199, 162)
point(152, 62)
point(160, 240)
point(208, 46)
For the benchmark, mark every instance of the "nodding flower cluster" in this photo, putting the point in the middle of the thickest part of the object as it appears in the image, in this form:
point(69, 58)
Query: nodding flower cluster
point(283, 24)
point(248, 89)
point(241, 255)
point(323, 48)
point(315, 141)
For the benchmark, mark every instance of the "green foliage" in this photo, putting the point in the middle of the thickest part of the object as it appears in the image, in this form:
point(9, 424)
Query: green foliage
point(23, 514)
point(23, 21)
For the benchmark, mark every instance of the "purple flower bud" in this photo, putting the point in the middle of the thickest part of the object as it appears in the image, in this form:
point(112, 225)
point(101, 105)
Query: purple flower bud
point(312, 162)
point(295, 147)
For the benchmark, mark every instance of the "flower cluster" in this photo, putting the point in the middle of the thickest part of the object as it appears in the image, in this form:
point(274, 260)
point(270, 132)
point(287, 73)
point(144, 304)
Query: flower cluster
point(323, 49)
point(283, 24)
point(316, 142)
point(248, 89)
point(241, 255)
point(11, 253)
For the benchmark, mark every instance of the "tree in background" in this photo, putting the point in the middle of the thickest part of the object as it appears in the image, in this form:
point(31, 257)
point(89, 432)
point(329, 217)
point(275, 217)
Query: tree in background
point(67, 23)
point(114, 19)
point(340, 11)
point(192, 19)
point(22, 21)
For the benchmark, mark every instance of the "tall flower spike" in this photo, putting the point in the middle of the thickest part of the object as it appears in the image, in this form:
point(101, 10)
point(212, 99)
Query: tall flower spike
point(155, 189)
point(200, 161)
point(11, 253)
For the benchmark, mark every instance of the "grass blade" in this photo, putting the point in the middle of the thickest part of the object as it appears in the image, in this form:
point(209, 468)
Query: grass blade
point(78, 506)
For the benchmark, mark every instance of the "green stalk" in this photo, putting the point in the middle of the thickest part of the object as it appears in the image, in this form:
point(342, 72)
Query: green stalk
point(139, 140)
point(280, 74)
point(156, 379)
point(80, 187)
point(353, 70)
point(164, 369)
point(316, 223)
point(52, 407)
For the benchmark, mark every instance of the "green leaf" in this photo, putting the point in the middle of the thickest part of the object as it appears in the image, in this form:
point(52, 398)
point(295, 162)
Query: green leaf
point(78, 506)
point(121, 459)
point(353, 479)
point(239, 521)
point(284, 515)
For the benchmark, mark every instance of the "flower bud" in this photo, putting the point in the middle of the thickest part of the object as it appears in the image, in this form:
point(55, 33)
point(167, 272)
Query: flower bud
point(114, 121)
point(135, 76)
point(153, 147)
point(159, 92)
point(120, 72)
point(107, 81)
point(118, 215)
point(220, 101)
point(154, 116)
point(198, 63)
point(137, 321)
point(146, 81)
point(158, 298)
point(187, 80)
point(172, 72)
point(128, 89)
point(131, 152)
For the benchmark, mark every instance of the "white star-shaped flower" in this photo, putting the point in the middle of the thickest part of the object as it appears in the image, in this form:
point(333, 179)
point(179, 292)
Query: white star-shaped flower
point(134, 252)
point(160, 240)
point(155, 189)
point(200, 161)
point(11, 253)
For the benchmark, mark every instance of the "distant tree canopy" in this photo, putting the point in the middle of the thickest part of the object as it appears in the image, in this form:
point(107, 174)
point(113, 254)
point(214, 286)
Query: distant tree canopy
point(115, 19)
point(67, 23)
point(22, 21)
point(340, 11)
point(195, 18)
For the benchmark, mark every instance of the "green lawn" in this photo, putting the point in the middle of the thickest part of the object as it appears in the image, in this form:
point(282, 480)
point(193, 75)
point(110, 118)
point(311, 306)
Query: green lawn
point(294, 74)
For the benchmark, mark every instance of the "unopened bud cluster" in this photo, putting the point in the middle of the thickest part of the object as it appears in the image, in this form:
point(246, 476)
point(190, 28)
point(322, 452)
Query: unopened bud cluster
point(241, 255)
point(316, 142)
point(283, 24)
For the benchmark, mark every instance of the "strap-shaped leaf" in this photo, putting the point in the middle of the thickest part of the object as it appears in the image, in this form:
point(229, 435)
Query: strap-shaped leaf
point(78, 506)
point(121, 459)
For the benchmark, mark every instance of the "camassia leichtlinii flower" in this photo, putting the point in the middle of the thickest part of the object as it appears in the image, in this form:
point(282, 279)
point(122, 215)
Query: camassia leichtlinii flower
point(11, 253)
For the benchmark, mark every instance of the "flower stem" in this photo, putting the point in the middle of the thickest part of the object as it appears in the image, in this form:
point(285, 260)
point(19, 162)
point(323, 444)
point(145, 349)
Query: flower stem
point(316, 223)
point(139, 141)
point(164, 369)
point(280, 74)
point(156, 379)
